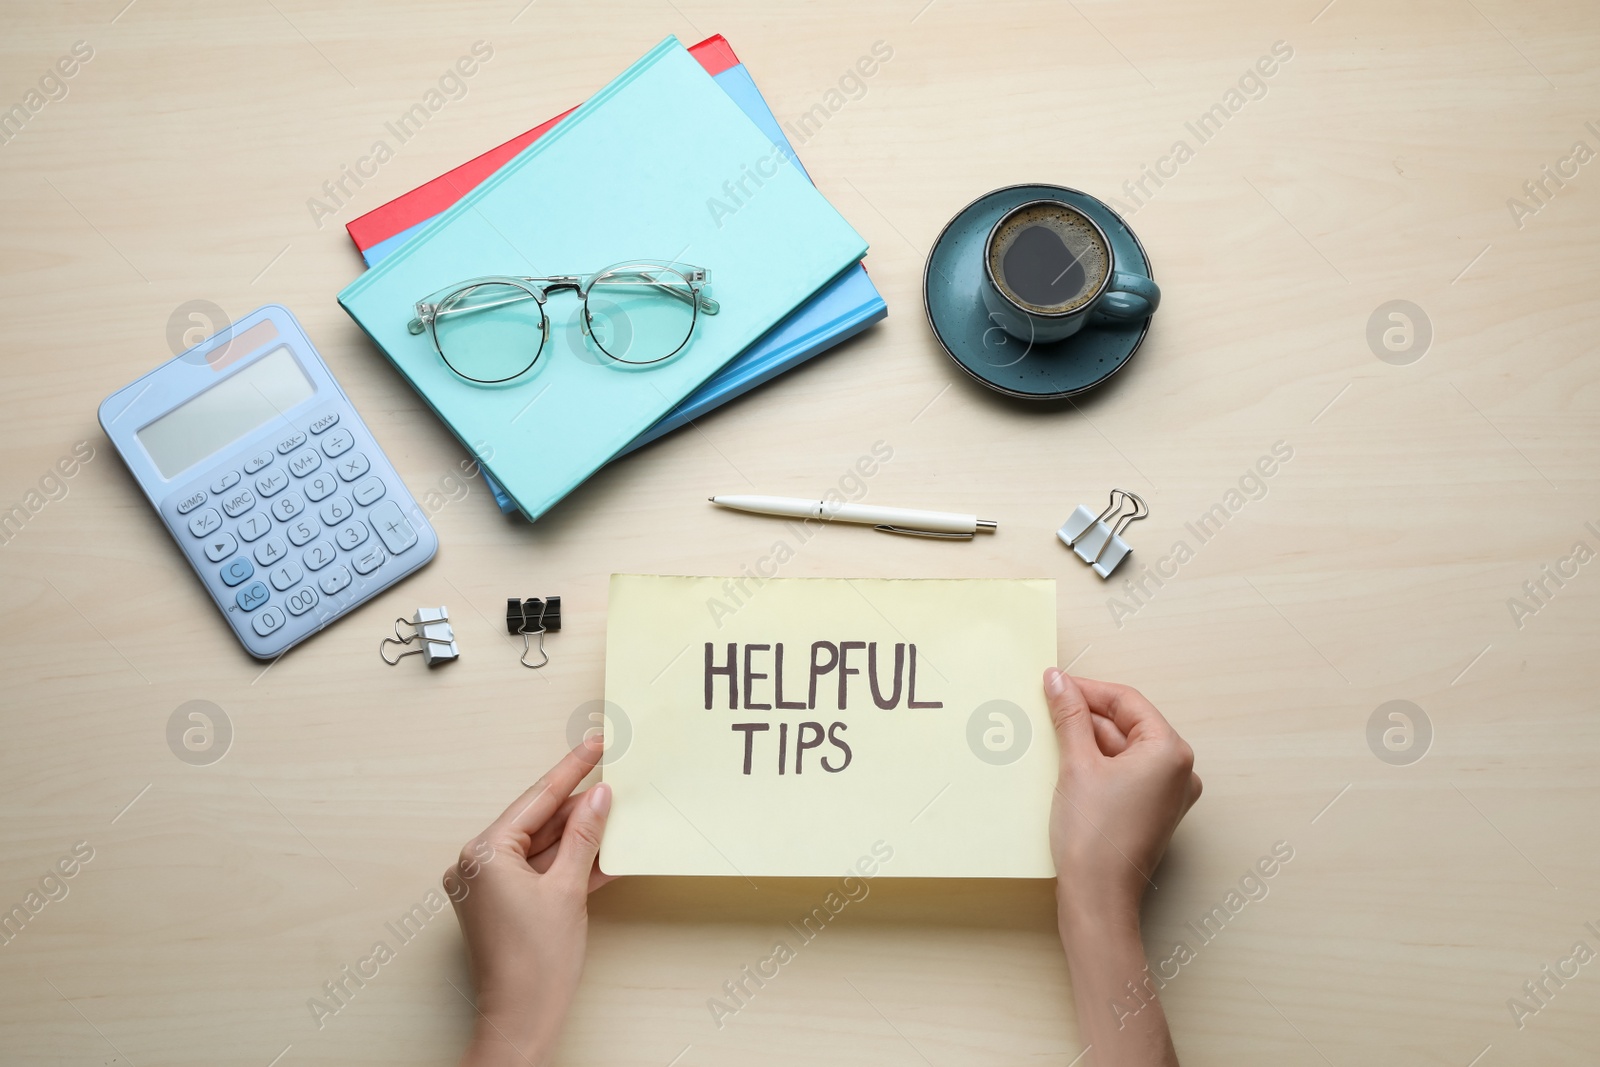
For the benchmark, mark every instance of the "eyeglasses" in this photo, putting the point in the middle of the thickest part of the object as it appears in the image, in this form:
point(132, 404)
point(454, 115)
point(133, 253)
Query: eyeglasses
point(492, 330)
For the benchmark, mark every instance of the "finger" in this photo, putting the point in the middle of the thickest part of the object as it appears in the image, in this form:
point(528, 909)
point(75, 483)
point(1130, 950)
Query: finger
point(1070, 713)
point(535, 806)
point(1110, 739)
point(580, 843)
point(1195, 789)
point(1135, 716)
point(550, 833)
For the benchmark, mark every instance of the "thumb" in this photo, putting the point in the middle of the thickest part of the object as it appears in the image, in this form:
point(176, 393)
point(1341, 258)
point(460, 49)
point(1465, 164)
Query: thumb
point(580, 841)
point(1070, 713)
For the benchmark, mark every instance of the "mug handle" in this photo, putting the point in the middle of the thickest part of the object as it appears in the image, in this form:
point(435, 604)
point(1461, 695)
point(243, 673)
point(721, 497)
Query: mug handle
point(1128, 298)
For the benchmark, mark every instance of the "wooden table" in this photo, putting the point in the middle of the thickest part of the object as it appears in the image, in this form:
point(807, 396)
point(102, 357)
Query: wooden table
point(1384, 160)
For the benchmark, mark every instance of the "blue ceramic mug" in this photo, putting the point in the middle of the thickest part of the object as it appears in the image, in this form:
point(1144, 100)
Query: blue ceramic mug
point(1049, 270)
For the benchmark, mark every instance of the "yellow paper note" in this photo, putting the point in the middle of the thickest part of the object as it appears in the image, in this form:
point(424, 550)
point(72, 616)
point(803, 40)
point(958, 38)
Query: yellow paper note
point(787, 729)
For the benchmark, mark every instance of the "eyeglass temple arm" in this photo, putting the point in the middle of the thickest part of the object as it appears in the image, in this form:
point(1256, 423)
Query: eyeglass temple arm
point(707, 305)
point(435, 311)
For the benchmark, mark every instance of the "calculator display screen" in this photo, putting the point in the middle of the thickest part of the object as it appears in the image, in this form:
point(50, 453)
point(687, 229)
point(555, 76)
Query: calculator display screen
point(234, 407)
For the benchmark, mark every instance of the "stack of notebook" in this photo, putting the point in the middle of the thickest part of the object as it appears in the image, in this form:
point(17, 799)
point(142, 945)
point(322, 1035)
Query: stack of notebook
point(641, 171)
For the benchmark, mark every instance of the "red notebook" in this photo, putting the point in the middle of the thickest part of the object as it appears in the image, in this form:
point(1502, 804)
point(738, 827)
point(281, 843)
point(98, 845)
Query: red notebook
point(426, 201)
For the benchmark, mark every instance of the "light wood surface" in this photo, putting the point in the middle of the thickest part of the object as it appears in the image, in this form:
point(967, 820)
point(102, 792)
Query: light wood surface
point(1377, 166)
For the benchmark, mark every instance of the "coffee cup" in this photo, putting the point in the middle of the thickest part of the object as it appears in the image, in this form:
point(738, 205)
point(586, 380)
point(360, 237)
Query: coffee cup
point(1049, 270)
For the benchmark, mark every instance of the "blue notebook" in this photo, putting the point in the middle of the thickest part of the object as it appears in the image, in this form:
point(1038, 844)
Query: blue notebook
point(841, 310)
point(632, 173)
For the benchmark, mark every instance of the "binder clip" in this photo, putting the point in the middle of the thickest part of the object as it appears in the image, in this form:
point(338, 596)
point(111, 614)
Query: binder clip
point(1097, 539)
point(431, 628)
point(532, 618)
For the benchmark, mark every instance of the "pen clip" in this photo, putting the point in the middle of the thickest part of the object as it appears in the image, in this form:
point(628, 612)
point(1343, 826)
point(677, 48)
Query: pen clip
point(923, 533)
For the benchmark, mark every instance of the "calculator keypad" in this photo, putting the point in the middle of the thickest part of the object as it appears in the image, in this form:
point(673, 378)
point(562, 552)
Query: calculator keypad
point(279, 562)
point(352, 466)
point(287, 506)
point(238, 502)
point(254, 526)
point(271, 481)
point(205, 522)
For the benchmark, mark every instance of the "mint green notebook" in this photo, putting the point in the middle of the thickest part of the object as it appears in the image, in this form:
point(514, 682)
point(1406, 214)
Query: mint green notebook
point(634, 173)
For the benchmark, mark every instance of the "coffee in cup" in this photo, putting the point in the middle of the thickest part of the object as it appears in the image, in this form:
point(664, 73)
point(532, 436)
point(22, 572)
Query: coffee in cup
point(1048, 258)
point(1049, 270)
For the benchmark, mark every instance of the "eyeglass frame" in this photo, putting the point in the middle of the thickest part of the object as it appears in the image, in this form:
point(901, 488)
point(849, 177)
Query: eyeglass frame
point(539, 289)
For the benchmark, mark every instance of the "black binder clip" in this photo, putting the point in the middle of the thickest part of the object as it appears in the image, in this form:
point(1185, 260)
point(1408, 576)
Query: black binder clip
point(533, 618)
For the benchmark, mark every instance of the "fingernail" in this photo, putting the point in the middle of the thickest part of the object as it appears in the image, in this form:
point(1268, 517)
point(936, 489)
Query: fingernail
point(593, 739)
point(600, 798)
point(1052, 682)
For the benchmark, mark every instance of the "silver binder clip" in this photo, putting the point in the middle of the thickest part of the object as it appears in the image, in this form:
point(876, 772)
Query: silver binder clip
point(1097, 539)
point(431, 630)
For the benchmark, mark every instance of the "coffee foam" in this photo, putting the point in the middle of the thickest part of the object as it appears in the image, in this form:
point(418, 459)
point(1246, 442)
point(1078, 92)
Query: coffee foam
point(1075, 232)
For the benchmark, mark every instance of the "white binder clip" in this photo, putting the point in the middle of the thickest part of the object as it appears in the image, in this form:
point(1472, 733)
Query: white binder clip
point(430, 627)
point(1097, 539)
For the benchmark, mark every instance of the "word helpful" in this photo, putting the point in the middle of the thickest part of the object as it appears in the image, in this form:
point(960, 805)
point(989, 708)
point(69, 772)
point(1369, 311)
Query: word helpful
point(1552, 578)
point(52, 887)
point(886, 686)
point(740, 990)
point(1538, 990)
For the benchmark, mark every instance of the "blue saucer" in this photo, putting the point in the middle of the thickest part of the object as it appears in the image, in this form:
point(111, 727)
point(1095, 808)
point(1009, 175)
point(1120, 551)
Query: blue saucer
point(950, 292)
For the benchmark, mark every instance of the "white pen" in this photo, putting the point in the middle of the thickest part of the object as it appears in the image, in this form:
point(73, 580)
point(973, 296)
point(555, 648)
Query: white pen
point(889, 520)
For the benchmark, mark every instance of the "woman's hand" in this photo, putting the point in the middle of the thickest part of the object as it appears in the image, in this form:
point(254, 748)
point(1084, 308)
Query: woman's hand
point(1126, 780)
point(520, 891)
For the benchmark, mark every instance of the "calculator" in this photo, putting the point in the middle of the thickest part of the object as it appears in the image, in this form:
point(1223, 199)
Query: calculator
point(271, 484)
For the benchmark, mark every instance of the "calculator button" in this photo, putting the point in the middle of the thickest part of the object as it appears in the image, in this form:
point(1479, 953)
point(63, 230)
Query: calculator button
point(321, 485)
point(226, 482)
point(301, 532)
point(192, 501)
point(350, 535)
point(292, 442)
point(337, 510)
point(252, 596)
point(304, 462)
point(271, 481)
point(238, 503)
point(205, 522)
point(258, 461)
point(271, 551)
point(253, 526)
point(334, 581)
point(237, 570)
point(368, 561)
point(338, 442)
point(369, 490)
point(267, 621)
point(392, 527)
point(323, 422)
point(317, 556)
point(288, 506)
point(301, 600)
point(220, 546)
point(286, 574)
point(353, 466)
